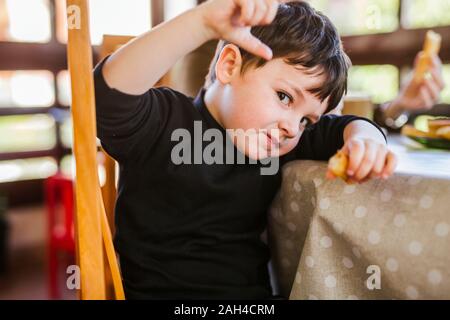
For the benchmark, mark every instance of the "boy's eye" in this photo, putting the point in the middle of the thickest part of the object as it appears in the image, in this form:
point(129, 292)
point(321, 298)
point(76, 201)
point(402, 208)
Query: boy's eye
point(284, 98)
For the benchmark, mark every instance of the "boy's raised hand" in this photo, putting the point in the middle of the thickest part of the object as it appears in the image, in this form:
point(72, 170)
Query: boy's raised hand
point(232, 20)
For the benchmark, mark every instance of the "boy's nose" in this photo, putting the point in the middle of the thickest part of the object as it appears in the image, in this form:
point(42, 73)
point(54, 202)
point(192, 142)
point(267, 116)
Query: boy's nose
point(289, 128)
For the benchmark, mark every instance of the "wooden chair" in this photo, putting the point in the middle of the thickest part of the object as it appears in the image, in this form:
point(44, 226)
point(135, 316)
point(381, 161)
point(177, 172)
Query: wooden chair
point(96, 256)
point(94, 218)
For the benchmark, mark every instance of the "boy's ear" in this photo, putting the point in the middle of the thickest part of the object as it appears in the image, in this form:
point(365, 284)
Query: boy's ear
point(229, 64)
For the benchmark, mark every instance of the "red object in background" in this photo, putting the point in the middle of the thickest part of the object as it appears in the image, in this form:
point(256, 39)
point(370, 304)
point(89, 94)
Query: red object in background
point(59, 192)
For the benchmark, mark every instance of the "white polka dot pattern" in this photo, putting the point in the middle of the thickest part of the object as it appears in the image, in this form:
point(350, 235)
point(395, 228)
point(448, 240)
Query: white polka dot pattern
point(326, 242)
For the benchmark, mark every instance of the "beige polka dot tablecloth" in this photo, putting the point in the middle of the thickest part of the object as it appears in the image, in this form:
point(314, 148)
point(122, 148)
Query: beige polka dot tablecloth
point(378, 240)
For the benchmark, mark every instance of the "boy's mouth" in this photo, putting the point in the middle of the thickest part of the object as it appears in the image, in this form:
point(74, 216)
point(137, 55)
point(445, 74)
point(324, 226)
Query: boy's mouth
point(272, 142)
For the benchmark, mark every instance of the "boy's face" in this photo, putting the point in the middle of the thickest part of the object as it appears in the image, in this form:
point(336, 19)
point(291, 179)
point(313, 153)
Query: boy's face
point(271, 102)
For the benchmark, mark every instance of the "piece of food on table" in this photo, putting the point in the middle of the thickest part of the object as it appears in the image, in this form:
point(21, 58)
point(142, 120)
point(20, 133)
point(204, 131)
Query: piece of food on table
point(410, 131)
point(431, 47)
point(444, 132)
point(338, 165)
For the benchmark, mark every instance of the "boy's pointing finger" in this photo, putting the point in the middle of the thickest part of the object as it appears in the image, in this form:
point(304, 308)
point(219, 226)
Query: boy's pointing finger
point(251, 44)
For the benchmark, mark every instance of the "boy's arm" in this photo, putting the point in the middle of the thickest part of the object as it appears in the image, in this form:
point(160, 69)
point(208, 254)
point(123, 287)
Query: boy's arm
point(361, 139)
point(137, 66)
point(367, 151)
point(131, 115)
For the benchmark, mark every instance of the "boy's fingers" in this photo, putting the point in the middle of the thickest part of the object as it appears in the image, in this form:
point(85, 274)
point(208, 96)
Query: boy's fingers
point(391, 164)
point(379, 162)
point(255, 46)
point(367, 162)
point(261, 9)
point(355, 150)
point(247, 11)
point(272, 12)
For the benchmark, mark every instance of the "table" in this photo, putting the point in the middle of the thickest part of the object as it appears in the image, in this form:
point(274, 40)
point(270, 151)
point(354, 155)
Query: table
point(378, 240)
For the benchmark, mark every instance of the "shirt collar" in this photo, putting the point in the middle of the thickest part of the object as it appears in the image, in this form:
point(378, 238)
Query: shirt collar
point(199, 103)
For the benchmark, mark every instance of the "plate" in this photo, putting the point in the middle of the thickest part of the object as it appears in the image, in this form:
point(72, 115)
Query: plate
point(434, 143)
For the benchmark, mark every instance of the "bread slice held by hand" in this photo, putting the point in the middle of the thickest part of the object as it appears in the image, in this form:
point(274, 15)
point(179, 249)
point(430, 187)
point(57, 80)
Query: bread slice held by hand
point(338, 165)
point(431, 47)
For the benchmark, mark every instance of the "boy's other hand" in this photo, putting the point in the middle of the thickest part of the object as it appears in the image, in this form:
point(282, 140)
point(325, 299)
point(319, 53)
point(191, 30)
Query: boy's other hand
point(232, 20)
point(367, 159)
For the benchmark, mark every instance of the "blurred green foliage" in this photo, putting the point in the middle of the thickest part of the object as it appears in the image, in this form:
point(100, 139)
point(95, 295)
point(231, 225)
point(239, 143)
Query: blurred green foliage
point(27, 133)
point(381, 82)
point(356, 17)
point(425, 13)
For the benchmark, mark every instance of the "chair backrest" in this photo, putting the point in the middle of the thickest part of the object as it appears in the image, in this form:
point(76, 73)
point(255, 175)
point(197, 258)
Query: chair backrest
point(92, 233)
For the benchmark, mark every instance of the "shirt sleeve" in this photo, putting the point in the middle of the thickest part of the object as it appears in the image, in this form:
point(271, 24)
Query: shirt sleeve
point(323, 139)
point(128, 125)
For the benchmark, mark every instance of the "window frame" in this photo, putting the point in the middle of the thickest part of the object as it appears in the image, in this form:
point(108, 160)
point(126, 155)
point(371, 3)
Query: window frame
point(51, 56)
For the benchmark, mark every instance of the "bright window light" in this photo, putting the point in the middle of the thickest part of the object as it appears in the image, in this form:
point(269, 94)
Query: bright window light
point(28, 21)
point(27, 169)
point(114, 17)
point(173, 8)
point(64, 89)
point(27, 133)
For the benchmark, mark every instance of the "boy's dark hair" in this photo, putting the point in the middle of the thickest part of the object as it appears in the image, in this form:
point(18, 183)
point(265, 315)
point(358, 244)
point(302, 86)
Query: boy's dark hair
point(303, 37)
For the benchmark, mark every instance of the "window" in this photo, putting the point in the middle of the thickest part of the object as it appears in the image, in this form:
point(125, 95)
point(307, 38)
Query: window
point(26, 89)
point(381, 82)
point(27, 133)
point(356, 17)
point(64, 89)
point(25, 21)
point(173, 8)
point(116, 17)
point(27, 169)
point(425, 13)
point(66, 133)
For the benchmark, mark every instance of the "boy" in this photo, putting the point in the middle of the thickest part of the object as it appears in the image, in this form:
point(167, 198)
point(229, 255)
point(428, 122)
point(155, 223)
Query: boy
point(191, 229)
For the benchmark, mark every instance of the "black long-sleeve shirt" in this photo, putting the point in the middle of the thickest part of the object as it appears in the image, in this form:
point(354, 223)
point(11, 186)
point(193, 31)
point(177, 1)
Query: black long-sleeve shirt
point(190, 231)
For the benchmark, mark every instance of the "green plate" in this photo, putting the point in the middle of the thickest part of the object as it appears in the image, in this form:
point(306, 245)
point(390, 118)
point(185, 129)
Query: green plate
point(434, 143)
